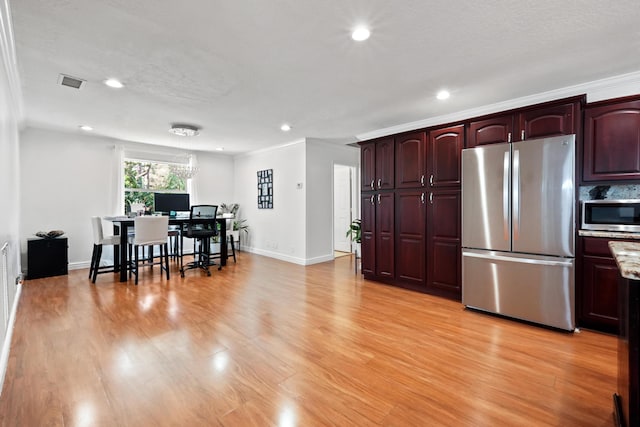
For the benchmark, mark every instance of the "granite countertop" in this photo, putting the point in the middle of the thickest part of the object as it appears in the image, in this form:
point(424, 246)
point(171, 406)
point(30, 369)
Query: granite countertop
point(627, 256)
point(610, 234)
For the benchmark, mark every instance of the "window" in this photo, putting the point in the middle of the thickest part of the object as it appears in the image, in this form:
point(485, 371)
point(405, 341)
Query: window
point(143, 178)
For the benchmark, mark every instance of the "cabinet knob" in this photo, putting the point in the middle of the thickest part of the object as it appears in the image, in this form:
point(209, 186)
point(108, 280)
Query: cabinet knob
point(509, 137)
point(522, 135)
point(422, 198)
point(379, 183)
point(422, 180)
point(372, 199)
point(431, 198)
point(431, 180)
point(378, 199)
point(372, 184)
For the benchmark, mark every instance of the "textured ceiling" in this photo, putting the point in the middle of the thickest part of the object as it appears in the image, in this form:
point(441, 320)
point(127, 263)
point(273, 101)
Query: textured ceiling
point(239, 69)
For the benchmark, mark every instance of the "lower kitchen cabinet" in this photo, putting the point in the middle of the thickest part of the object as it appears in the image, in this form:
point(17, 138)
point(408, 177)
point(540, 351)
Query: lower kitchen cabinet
point(411, 224)
point(597, 292)
point(412, 238)
point(378, 235)
point(444, 265)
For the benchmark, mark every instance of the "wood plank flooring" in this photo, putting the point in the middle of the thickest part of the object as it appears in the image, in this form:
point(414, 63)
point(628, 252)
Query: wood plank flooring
point(267, 343)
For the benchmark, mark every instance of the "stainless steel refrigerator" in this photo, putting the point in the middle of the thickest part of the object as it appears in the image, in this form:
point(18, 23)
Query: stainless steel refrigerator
point(518, 230)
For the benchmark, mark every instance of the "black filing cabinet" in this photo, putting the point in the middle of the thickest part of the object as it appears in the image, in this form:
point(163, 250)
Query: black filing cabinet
point(46, 257)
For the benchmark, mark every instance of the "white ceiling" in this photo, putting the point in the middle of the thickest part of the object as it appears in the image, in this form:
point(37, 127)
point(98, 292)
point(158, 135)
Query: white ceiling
point(239, 69)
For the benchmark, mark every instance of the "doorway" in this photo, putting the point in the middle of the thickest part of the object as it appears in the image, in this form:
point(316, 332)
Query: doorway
point(343, 207)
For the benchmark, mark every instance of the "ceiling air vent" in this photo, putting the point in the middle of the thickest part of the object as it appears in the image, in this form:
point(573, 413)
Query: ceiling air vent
point(70, 81)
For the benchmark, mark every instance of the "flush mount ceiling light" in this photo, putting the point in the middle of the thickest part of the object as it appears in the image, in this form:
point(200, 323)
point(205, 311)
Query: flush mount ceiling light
point(443, 94)
point(116, 84)
point(220, 149)
point(360, 34)
point(182, 129)
point(86, 128)
point(285, 127)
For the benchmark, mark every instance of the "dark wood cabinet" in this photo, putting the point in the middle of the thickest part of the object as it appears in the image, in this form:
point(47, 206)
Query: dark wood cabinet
point(627, 398)
point(612, 141)
point(47, 257)
point(377, 235)
point(368, 234)
point(597, 293)
point(444, 243)
point(551, 120)
point(445, 148)
point(385, 232)
point(367, 166)
point(538, 121)
point(411, 157)
point(493, 130)
point(377, 164)
point(411, 223)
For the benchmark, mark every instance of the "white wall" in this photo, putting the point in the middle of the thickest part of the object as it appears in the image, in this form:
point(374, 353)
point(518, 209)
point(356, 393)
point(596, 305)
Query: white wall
point(10, 116)
point(299, 228)
point(320, 158)
point(277, 232)
point(69, 177)
point(214, 182)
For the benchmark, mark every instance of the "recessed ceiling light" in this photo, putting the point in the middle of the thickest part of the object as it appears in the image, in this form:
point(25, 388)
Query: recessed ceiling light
point(220, 149)
point(443, 94)
point(116, 84)
point(285, 127)
point(86, 127)
point(182, 129)
point(360, 34)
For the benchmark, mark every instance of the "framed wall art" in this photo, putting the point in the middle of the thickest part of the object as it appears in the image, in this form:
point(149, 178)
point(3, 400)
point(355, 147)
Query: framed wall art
point(265, 189)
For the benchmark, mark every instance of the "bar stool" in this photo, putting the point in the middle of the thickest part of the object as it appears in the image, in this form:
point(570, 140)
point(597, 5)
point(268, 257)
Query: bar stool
point(149, 231)
point(98, 242)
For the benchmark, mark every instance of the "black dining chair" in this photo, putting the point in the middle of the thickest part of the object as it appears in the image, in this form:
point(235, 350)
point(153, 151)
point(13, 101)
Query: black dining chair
point(201, 227)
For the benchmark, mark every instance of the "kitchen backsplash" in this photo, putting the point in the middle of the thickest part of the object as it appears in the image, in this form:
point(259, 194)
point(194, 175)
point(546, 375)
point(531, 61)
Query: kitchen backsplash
point(610, 192)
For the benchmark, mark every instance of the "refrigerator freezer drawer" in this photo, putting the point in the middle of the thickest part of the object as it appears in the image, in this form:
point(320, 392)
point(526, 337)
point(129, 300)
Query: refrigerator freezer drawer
point(538, 289)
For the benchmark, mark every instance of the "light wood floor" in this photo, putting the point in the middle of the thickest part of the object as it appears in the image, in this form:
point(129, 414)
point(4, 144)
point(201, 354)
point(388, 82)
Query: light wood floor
point(267, 343)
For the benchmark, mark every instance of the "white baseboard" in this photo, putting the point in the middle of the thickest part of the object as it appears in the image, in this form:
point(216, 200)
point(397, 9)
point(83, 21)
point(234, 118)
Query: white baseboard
point(288, 258)
point(6, 345)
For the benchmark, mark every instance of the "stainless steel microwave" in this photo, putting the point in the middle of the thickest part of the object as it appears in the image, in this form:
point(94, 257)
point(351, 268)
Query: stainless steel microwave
point(611, 215)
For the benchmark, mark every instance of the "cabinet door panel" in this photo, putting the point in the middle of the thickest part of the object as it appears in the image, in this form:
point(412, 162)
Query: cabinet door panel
point(445, 148)
point(495, 130)
point(446, 272)
point(367, 233)
point(547, 121)
point(612, 142)
point(385, 163)
point(444, 242)
point(411, 222)
point(600, 293)
point(385, 231)
point(411, 160)
point(367, 166)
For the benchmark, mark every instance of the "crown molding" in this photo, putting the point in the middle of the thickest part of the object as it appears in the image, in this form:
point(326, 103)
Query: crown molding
point(597, 90)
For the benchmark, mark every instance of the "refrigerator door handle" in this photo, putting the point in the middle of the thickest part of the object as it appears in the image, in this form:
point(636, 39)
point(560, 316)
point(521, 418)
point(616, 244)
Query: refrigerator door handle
point(505, 196)
point(494, 257)
point(516, 194)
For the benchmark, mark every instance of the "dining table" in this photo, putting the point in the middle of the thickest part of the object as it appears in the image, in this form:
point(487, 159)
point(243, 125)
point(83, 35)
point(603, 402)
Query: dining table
point(122, 225)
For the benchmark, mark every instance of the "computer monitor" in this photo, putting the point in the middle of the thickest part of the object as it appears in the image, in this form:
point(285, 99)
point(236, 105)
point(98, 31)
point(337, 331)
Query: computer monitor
point(169, 203)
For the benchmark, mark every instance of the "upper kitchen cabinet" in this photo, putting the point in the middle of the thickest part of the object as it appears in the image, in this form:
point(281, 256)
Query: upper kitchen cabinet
point(550, 120)
point(612, 141)
point(539, 121)
point(494, 130)
point(411, 158)
point(445, 148)
point(377, 164)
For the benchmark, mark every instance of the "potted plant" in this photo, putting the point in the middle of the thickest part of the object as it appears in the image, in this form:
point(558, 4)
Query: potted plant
point(354, 231)
point(239, 225)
